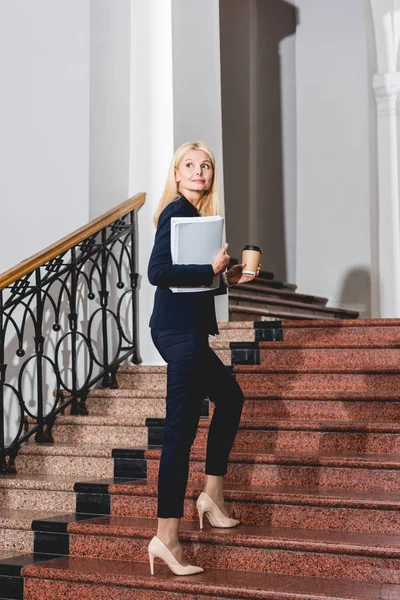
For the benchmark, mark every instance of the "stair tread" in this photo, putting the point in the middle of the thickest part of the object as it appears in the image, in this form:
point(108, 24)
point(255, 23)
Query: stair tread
point(22, 519)
point(227, 583)
point(339, 323)
point(291, 394)
point(262, 455)
point(260, 536)
point(300, 457)
point(312, 425)
point(64, 449)
point(312, 369)
point(38, 482)
point(101, 420)
point(311, 345)
point(266, 290)
point(247, 295)
point(275, 494)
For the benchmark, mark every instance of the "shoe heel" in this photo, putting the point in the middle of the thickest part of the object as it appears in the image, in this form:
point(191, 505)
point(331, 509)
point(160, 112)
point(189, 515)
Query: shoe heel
point(201, 517)
point(151, 559)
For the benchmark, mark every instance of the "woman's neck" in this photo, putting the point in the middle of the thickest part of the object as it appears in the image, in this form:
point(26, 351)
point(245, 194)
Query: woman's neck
point(195, 198)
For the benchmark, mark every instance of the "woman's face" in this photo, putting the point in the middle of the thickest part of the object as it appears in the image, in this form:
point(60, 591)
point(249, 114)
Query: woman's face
point(195, 172)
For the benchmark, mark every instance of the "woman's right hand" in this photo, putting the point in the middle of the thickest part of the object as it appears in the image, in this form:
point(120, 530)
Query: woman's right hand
point(221, 261)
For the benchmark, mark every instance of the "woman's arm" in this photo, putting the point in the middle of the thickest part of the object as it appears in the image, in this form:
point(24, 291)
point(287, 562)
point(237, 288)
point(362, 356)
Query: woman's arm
point(161, 271)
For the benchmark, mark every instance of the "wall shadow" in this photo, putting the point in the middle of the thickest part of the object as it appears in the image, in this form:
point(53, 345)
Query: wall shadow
point(356, 291)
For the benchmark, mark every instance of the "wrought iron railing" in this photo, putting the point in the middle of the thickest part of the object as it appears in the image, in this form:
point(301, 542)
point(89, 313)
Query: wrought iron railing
point(67, 321)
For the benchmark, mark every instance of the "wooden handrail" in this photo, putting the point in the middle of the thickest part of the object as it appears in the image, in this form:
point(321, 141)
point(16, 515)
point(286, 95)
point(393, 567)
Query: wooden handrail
point(37, 260)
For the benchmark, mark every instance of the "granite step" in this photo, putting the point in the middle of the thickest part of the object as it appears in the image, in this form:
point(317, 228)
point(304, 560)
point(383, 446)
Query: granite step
point(109, 429)
point(126, 402)
point(254, 301)
point(316, 406)
point(361, 360)
point(288, 551)
point(37, 492)
point(241, 309)
point(262, 289)
point(16, 533)
point(73, 577)
point(351, 406)
point(314, 469)
point(73, 460)
point(373, 331)
point(329, 436)
point(254, 377)
point(221, 344)
point(276, 506)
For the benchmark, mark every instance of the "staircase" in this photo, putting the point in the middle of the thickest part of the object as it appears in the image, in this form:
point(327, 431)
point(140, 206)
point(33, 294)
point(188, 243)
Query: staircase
point(314, 477)
point(266, 298)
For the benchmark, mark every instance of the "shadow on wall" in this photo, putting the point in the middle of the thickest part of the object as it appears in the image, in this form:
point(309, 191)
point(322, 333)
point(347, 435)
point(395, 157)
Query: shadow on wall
point(253, 128)
point(356, 292)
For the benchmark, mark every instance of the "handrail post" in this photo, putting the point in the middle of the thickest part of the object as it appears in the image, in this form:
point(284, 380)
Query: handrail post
point(3, 367)
point(73, 325)
point(109, 379)
point(39, 341)
point(134, 281)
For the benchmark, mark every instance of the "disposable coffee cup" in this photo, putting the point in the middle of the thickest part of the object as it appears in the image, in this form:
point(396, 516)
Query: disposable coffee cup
point(251, 258)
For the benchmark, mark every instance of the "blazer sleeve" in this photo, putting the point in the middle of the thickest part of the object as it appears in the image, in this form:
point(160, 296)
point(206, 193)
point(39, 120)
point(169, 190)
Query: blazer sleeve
point(161, 272)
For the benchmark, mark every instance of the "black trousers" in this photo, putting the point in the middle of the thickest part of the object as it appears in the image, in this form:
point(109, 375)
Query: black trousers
point(194, 372)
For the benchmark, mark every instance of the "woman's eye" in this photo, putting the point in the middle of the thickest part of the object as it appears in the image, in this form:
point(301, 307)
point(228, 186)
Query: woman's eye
point(205, 166)
point(189, 164)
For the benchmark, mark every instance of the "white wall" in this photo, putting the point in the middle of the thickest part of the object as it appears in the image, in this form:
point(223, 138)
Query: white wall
point(110, 39)
point(333, 113)
point(44, 123)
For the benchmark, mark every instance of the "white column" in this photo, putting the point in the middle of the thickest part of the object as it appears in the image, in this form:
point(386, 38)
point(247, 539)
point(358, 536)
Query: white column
point(387, 90)
point(197, 67)
point(386, 16)
point(151, 136)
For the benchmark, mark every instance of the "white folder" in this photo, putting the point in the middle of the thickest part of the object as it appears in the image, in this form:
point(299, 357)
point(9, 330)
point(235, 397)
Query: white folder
point(196, 241)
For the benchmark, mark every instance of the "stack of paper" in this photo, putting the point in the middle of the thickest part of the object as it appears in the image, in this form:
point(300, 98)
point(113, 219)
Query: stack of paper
point(196, 241)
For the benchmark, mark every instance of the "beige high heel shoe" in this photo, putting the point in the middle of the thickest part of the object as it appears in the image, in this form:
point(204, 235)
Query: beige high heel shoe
point(206, 505)
point(158, 548)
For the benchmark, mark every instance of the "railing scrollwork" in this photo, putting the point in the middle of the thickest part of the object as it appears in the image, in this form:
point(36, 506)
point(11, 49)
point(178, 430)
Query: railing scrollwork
point(67, 321)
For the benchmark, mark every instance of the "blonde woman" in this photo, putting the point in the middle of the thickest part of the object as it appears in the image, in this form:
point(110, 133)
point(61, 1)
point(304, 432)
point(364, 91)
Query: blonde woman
point(180, 325)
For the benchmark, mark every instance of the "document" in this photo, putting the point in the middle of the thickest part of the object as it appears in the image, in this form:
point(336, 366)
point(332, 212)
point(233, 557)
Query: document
point(196, 241)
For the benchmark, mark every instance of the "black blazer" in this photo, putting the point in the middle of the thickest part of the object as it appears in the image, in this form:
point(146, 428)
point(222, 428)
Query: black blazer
point(185, 311)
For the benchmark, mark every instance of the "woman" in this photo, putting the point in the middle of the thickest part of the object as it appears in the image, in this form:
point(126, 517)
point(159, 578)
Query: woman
point(180, 325)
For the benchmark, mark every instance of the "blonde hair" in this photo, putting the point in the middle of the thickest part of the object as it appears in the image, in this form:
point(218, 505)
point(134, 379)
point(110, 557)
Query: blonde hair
point(210, 204)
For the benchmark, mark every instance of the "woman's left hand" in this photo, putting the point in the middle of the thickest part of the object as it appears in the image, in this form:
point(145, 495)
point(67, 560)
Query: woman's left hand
point(235, 275)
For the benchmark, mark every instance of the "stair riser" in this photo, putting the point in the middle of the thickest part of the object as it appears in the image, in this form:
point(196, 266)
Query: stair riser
point(350, 361)
point(365, 334)
point(277, 515)
point(40, 589)
point(310, 440)
point(126, 407)
point(234, 335)
point(37, 499)
point(74, 466)
point(144, 381)
point(16, 540)
point(312, 562)
point(324, 477)
point(320, 409)
point(88, 434)
point(311, 382)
